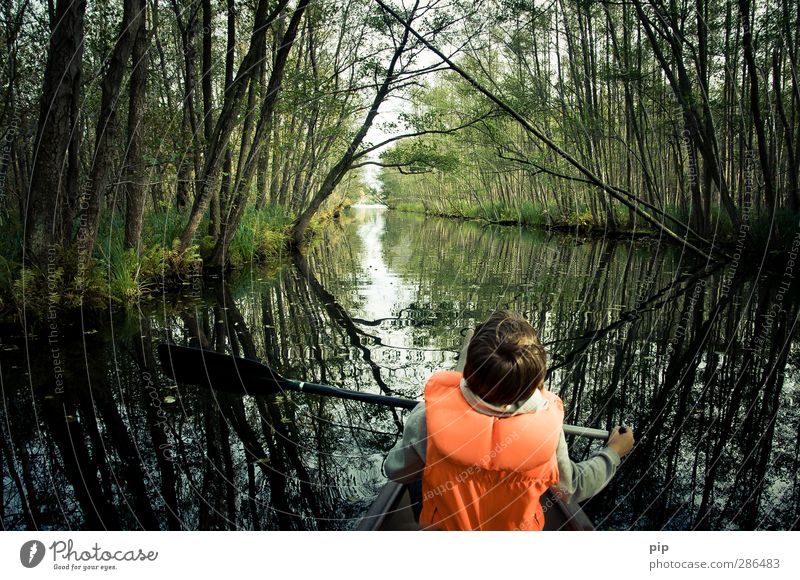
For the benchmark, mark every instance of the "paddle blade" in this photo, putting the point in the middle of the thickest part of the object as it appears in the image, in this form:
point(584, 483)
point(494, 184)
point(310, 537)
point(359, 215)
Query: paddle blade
point(206, 368)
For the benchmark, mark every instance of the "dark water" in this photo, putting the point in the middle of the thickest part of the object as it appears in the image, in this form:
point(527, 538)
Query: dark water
point(704, 364)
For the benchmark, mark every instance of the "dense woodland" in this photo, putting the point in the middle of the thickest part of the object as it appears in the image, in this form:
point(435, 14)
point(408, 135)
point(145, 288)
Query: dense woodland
point(143, 137)
point(623, 115)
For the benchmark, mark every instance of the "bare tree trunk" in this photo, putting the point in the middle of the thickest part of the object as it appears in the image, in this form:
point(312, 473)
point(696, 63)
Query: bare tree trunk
point(249, 162)
point(218, 196)
point(58, 115)
point(227, 118)
point(337, 172)
point(205, 81)
point(134, 191)
point(755, 106)
point(274, 178)
point(793, 186)
point(105, 135)
point(188, 161)
point(262, 187)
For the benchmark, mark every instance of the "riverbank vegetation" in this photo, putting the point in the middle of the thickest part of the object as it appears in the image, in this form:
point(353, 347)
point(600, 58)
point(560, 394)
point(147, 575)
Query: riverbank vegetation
point(237, 126)
point(618, 117)
point(143, 140)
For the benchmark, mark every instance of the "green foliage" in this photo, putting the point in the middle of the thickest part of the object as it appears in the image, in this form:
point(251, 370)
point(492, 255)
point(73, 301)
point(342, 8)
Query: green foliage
point(410, 207)
point(117, 275)
point(124, 280)
point(58, 285)
point(373, 195)
point(163, 226)
point(126, 277)
point(779, 232)
point(167, 267)
point(578, 218)
point(262, 235)
point(526, 213)
point(532, 215)
point(420, 156)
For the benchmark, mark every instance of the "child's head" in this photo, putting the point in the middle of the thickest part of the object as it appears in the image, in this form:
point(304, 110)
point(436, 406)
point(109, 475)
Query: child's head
point(506, 362)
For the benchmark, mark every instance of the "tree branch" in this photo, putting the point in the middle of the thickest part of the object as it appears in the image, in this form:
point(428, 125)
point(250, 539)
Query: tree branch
point(624, 197)
point(363, 152)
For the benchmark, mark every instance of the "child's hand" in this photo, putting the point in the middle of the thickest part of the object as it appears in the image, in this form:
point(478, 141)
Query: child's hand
point(622, 443)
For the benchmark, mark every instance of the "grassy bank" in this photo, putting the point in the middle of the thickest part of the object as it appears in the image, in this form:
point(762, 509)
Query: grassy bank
point(761, 230)
point(117, 277)
point(525, 214)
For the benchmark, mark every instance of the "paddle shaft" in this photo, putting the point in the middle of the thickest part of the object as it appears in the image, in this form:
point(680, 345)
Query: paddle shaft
point(401, 403)
point(250, 377)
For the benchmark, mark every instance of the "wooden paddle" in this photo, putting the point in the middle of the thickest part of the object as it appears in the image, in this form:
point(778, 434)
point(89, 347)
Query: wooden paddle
point(206, 368)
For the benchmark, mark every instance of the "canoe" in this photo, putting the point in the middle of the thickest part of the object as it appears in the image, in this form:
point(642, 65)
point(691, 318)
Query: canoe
point(391, 511)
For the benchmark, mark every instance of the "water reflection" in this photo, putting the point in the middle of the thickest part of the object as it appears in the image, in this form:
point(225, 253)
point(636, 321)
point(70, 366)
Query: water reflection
point(703, 362)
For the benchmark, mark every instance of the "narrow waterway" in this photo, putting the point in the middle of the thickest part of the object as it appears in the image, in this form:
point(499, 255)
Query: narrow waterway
point(703, 363)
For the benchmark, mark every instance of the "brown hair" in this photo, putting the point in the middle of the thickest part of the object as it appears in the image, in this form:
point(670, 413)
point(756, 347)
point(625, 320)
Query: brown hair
point(506, 362)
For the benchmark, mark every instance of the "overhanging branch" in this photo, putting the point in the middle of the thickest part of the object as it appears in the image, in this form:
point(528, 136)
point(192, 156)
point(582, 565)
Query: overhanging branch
point(420, 133)
point(617, 193)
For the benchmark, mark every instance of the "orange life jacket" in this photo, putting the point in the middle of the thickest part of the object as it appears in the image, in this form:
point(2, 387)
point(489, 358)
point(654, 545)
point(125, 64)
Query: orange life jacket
point(484, 472)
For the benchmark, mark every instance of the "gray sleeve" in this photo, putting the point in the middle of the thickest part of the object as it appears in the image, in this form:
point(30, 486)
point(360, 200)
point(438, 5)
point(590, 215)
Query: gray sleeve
point(582, 480)
point(406, 460)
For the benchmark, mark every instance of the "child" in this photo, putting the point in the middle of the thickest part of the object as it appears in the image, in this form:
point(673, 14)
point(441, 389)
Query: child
point(488, 443)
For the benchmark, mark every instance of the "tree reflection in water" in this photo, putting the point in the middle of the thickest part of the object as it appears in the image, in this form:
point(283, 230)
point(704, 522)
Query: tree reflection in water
point(703, 362)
